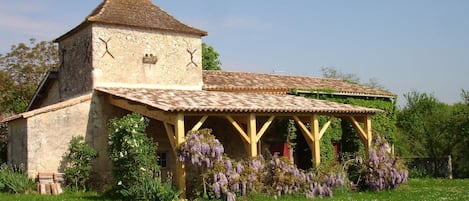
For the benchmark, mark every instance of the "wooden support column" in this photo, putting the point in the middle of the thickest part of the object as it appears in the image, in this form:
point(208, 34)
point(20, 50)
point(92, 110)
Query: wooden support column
point(180, 170)
point(252, 134)
point(316, 140)
point(369, 133)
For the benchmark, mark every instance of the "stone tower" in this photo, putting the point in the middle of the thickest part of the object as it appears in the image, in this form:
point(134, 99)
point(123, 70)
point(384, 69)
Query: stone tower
point(129, 43)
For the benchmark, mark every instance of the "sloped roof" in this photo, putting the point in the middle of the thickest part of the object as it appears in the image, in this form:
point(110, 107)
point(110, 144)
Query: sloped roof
point(257, 82)
point(50, 108)
point(135, 13)
point(220, 102)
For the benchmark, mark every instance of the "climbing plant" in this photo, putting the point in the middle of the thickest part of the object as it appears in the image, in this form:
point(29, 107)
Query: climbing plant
point(342, 131)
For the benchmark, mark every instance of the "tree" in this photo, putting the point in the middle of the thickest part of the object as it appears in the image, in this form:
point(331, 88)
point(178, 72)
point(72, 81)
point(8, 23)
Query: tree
point(210, 60)
point(21, 71)
point(434, 129)
point(334, 73)
point(465, 96)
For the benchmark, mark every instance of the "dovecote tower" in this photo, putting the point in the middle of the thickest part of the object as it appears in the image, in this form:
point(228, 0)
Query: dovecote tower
point(129, 43)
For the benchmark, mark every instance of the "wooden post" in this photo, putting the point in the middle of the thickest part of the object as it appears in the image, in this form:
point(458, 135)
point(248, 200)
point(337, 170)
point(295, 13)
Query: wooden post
point(252, 133)
point(316, 139)
point(369, 135)
point(180, 170)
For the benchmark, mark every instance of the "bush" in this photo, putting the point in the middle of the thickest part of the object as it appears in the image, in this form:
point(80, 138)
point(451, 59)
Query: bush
point(134, 160)
point(380, 171)
point(14, 180)
point(79, 165)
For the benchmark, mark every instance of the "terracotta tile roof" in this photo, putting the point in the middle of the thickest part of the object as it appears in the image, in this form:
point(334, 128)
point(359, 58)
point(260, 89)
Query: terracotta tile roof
point(50, 108)
point(135, 13)
point(220, 102)
point(256, 82)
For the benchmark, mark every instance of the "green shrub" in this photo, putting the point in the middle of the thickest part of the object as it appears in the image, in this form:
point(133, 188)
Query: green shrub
point(134, 158)
point(14, 180)
point(79, 165)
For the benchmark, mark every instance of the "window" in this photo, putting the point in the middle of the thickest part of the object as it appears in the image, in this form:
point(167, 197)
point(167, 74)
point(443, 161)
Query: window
point(162, 160)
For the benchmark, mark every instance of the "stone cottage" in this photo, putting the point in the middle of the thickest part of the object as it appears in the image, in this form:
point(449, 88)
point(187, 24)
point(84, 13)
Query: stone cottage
point(131, 56)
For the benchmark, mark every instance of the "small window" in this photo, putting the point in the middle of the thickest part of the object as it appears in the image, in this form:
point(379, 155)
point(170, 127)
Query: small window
point(162, 160)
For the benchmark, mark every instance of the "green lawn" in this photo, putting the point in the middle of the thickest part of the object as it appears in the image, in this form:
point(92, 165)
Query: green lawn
point(415, 189)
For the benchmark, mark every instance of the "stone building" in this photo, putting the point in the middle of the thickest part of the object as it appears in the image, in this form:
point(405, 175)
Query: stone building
point(131, 56)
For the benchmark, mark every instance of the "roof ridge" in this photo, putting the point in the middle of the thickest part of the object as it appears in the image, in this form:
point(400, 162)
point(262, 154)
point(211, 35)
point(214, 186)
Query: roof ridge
point(279, 75)
point(135, 13)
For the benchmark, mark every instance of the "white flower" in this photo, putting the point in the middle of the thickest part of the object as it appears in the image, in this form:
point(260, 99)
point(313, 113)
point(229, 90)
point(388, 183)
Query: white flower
point(119, 183)
point(121, 154)
point(143, 169)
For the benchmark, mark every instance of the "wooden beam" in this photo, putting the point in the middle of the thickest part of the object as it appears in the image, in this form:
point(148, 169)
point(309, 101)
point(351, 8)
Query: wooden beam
point(315, 131)
point(264, 128)
point(252, 133)
point(199, 123)
point(307, 134)
point(141, 109)
point(361, 133)
point(239, 129)
point(180, 169)
point(172, 138)
point(325, 127)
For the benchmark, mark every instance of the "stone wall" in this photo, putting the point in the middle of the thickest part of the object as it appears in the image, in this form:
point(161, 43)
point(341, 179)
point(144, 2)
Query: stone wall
point(130, 57)
point(97, 136)
point(75, 64)
point(49, 134)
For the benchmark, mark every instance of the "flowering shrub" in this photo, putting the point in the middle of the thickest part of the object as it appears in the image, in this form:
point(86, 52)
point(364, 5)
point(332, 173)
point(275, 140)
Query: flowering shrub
point(135, 161)
point(79, 165)
point(380, 171)
point(228, 178)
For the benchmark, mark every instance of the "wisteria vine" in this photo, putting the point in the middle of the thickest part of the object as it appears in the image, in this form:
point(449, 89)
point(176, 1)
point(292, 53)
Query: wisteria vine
point(381, 170)
point(228, 178)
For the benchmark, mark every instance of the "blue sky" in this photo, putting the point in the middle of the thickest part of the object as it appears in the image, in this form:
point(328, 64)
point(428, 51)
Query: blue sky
point(405, 45)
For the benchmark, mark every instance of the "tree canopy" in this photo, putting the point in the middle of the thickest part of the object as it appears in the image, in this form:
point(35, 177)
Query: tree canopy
point(210, 60)
point(431, 128)
point(334, 73)
point(21, 70)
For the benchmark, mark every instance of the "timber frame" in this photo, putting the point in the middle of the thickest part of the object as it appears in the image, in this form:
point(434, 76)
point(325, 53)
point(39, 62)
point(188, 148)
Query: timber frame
point(176, 127)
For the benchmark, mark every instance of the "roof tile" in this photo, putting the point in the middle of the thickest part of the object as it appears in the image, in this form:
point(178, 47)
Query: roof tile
point(257, 82)
point(215, 101)
point(135, 13)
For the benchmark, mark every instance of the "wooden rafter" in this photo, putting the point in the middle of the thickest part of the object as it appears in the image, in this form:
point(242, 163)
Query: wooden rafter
point(199, 123)
point(325, 127)
point(306, 132)
point(172, 138)
point(239, 129)
point(264, 128)
point(365, 132)
point(141, 109)
point(361, 133)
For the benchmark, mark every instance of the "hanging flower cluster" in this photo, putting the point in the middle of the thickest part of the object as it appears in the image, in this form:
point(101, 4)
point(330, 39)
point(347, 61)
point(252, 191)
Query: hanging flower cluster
point(228, 178)
point(381, 170)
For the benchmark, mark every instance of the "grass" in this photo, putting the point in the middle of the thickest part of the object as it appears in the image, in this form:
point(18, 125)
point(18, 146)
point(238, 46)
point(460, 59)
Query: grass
point(415, 189)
